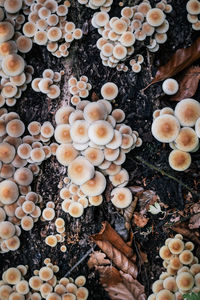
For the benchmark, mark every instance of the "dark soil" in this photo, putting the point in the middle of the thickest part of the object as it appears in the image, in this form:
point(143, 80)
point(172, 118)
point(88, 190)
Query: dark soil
point(84, 59)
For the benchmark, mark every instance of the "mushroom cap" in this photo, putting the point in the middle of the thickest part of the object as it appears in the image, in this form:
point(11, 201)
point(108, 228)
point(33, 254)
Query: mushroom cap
point(7, 230)
point(157, 286)
point(45, 273)
point(186, 257)
point(184, 281)
point(109, 91)
point(116, 140)
point(165, 128)
point(193, 7)
point(94, 111)
point(119, 26)
point(79, 131)
point(187, 112)
point(75, 209)
point(111, 154)
point(8, 192)
point(82, 293)
point(179, 160)
point(22, 287)
point(101, 19)
point(176, 246)
point(48, 213)
point(5, 291)
point(62, 134)
point(187, 139)
point(94, 155)
point(94, 186)
point(35, 283)
point(165, 295)
point(23, 176)
point(13, 64)
point(27, 223)
point(121, 197)
point(119, 52)
point(66, 154)
point(169, 283)
point(80, 170)
point(165, 252)
point(6, 31)
point(175, 263)
point(155, 17)
point(120, 179)
point(62, 114)
point(12, 276)
point(100, 132)
point(170, 86)
point(7, 152)
point(118, 114)
point(127, 39)
point(15, 128)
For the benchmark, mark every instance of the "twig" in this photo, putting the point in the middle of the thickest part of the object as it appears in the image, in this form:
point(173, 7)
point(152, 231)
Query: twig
point(180, 221)
point(166, 174)
point(80, 261)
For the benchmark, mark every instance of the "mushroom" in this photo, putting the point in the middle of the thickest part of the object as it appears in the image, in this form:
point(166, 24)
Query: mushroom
point(187, 112)
point(179, 160)
point(66, 154)
point(187, 139)
point(176, 246)
point(109, 91)
point(75, 209)
point(155, 17)
point(100, 132)
point(80, 170)
point(186, 257)
point(184, 281)
point(165, 128)
point(13, 65)
point(165, 294)
point(95, 186)
point(121, 197)
point(170, 86)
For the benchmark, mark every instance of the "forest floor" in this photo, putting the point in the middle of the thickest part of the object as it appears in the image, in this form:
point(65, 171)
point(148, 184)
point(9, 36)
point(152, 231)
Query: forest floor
point(147, 166)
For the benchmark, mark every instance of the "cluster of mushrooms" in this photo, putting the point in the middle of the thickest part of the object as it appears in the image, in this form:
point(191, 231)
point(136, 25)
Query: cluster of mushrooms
point(48, 26)
point(182, 274)
point(93, 143)
point(48, 83)
point(44, 284)
point(181, 129)
point(20, 156)
point(79, 89)
point(103, 5)
point(193, 10)
point(140, 23)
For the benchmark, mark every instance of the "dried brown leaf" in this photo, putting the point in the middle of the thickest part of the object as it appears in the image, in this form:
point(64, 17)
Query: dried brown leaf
point(194, 221)
point(183, 229)
point(107, 233)
point(140, 220)
point(136, 189)
point(146, 199)
point(188, 84)
point(142, 254)
point(118, 258)
point(180, 60)
point(128, 213)
point(120, 285)
point(97, 258)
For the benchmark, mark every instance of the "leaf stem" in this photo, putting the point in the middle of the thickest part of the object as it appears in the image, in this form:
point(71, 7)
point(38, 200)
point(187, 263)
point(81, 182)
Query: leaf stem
point(140, 159)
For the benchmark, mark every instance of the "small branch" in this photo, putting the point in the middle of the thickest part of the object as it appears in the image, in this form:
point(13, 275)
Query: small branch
point(166, 174)
point(80, 261)
point(180, 221)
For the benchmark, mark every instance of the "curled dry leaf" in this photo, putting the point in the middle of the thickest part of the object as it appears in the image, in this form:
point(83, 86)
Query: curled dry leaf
point(128, 213)
point(120, 285)
point(97, 258)
point(183, 229)
point(188, 84)
point(107, 233)
point(180, 60)
point(140, 220)
point(119, 259)
point(146, 199)
point(194, 221)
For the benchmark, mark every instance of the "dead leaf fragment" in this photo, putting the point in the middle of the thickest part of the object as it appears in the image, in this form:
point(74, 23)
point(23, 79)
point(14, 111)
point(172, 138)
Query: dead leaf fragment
point(180, 60)
point(97, 258)
point(188, 84)
point(140, 220)
point(194, 221)
point(120, 285)
point(128, 213)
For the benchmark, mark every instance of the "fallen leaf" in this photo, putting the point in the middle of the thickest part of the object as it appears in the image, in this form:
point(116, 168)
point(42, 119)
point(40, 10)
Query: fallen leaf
point(188, 84)
point(142, 254)
point(140, 220)
point(97, 258)
point(147, 198)
point(120, 285)
point(128, 213)
point(196, 208)
point(180, 60)
point(118, 258)
point(183, 229)
point(107, 233)
point(194, 221)
point(136, 189)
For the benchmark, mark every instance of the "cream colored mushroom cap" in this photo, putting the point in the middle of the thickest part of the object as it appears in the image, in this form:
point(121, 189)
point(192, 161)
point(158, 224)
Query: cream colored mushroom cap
point(8, 192)
point(121, 197)
point(179, 160)
point(165, 128)
point(94, 186)
point(109, 91)
point(80, 170)
point(66, 154)
point(101, 132)
point(187, 112)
